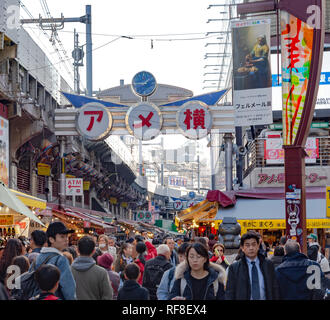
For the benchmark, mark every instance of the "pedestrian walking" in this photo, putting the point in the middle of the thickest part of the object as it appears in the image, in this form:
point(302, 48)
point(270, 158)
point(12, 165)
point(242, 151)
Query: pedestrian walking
point(155, 268)
point(141, 250)
point(252, 277)
point(105, 246)
point(92, 281)
point(12, 249)
point(218, 255)
point(166, 284)
point(57, 240)
point(197, 278)
point(174, 256)
point(212, 241)
point(106, 262)
point(278, 255)
point(131, 289)
point(313, 253)
point(295, 282)
point(47, 278)
point(37, 241)
point(124, 258)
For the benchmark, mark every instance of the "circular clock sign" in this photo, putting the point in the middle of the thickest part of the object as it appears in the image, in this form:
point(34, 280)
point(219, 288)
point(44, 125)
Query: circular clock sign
point(144, 84)
point(144, 121)
point(194, 120)
point(94, 121)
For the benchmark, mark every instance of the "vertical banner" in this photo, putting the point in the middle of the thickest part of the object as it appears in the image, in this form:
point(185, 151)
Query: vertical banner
point(4, 150)
point(297, 42)
point(302, 43)
point(252, 77)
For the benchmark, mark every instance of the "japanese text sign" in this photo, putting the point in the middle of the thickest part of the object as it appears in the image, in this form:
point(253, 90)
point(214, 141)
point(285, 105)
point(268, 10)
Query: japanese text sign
point(194, 120)
point(94, 121)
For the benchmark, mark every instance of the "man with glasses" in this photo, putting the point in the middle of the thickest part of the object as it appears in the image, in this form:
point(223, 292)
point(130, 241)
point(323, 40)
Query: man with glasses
point(253, 276)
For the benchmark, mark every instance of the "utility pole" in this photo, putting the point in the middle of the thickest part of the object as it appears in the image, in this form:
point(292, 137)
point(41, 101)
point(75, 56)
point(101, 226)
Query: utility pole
point(228, 138)
point(58, 23)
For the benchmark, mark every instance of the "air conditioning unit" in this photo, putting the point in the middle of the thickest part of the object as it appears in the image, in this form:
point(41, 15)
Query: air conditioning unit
point(14, 110)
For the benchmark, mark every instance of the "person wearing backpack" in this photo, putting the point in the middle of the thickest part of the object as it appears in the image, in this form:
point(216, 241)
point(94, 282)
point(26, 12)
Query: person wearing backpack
point(154, 270)
point(57, 238)
point(197, 278)
point(166, 284)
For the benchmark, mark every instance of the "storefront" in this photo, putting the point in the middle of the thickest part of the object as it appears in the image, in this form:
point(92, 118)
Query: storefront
point(268, 217)
point(15, 216)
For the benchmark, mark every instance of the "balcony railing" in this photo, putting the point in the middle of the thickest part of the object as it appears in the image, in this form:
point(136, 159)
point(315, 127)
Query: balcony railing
point(261, 155)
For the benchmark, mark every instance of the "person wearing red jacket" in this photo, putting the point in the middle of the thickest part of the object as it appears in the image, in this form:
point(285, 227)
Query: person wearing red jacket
point(152, 251)
point(218, 255)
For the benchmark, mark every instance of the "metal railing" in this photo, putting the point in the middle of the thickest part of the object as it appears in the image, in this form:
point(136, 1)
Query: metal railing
point(257, 157)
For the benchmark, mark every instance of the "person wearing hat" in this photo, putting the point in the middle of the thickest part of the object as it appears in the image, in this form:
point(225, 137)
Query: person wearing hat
point(313, 253)
point(106, 261)
point(57, 238)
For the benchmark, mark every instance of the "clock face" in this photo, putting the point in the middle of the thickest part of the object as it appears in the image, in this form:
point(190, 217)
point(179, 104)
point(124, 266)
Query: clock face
point(144, 83)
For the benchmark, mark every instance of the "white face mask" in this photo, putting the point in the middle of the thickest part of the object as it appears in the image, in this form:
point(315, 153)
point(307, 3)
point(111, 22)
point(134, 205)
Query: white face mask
point(102, 245)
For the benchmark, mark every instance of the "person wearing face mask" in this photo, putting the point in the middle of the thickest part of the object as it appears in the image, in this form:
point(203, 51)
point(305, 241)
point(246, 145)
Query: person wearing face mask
point(104, 246)
point(124, 258)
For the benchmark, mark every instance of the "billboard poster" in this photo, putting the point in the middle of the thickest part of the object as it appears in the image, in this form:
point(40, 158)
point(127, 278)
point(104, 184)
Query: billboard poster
point(4, 151)
point(252, 77)
point(274, 153)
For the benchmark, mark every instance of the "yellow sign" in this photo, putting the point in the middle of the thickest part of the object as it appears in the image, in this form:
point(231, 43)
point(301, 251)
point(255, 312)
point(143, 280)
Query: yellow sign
point(276, 224)
point(113, 200)
point(124, 204)
point(69, 176)
point(6, 220)
point(43, 169)
point(328, 201)
point(86, 185)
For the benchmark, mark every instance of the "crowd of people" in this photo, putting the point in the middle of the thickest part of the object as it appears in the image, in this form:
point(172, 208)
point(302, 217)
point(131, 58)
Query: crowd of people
point(101, 268)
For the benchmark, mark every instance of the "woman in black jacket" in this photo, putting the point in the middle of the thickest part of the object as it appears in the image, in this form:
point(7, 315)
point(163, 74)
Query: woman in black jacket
point(197, 278)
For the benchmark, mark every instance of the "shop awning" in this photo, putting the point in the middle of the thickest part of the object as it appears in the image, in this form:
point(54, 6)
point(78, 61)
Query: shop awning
point(30, 201)
point(9, 199)
point(254, 209)
point(227, 198)
point(196, 211)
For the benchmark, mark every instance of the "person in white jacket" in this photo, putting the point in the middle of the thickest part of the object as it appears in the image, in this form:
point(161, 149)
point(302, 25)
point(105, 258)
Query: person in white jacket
point(313, 252)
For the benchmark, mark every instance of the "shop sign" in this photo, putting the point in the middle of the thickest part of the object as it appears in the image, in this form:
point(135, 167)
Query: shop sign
point(69, 176)
point(74, 187)
point(279, 178)
point(147, 216)
point(328, 201)
point(124, 204)
point(274, 153)
point(43, 169)
point(4, 150)
point(107, 219)
point(87, 224)
point(94, 121)
point(87, 185)
point(113, 200)
point(252, 81)
point(140, 215)
point(6, 220)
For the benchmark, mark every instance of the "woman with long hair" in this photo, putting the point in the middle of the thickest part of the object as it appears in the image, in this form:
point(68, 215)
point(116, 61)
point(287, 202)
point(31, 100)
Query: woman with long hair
point(124, 257)
point(197, 278)
point(13, 248)
point(218, 255)
point(140, 260)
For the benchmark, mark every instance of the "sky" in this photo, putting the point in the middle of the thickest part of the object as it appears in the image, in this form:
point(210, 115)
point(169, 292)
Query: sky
point(150, 22)
point(179, 63)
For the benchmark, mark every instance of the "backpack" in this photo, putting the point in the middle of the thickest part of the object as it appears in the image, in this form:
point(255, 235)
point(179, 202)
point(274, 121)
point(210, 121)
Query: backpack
point(183, 284)
point(29, 287)
point(155, 273)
